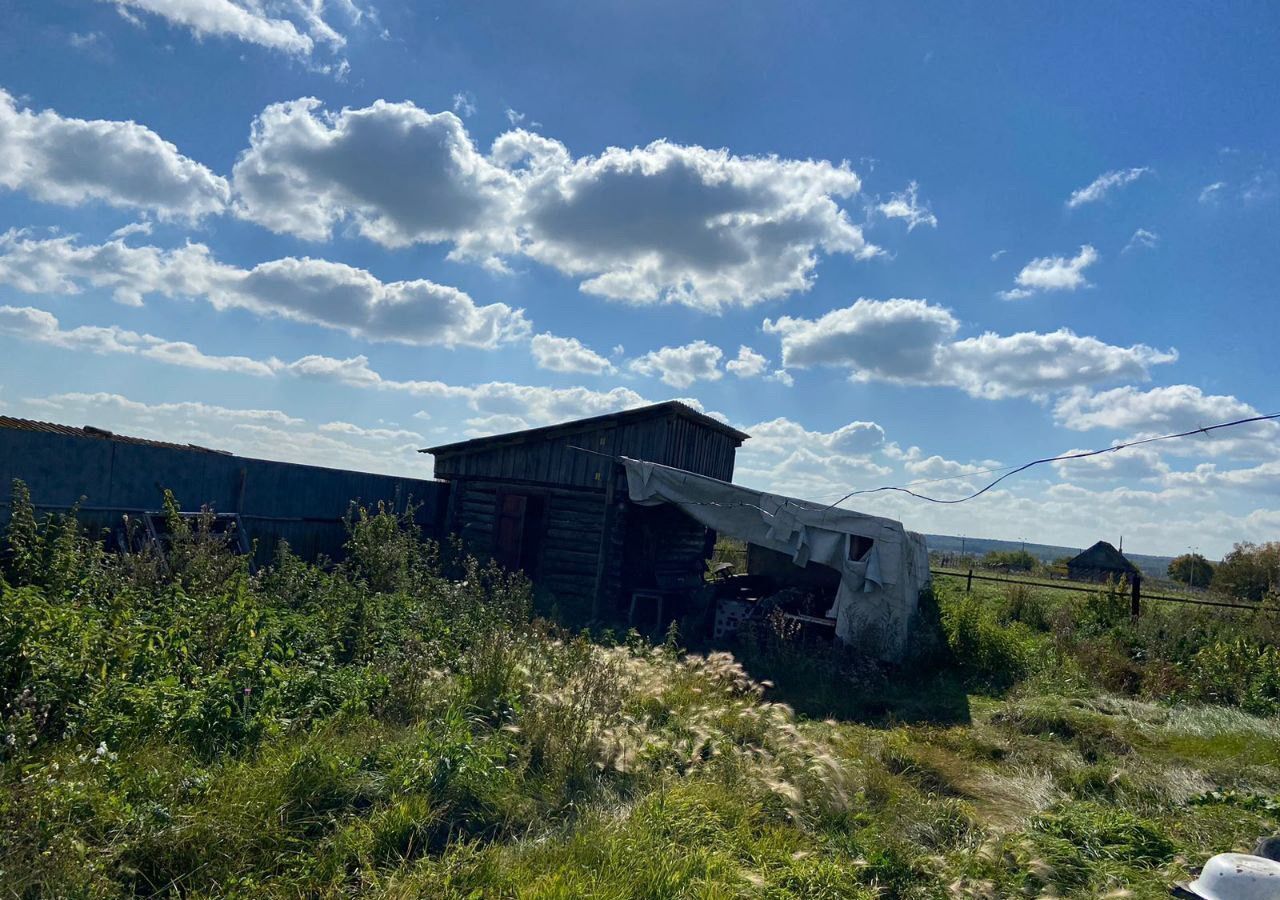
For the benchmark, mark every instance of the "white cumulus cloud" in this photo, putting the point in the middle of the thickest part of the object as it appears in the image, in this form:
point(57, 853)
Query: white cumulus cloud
point(321, 292)
point(786, 457)
point(681, 366)
point(1052, 273)
point(894, 340)
point(399, 174)
point(659, 223)
point(68, 161)
point(672, 223)
point(563, 354)
point(906, 341)
point(40, 326)
point(1171, 409)
point(748, 363)
point(781, 436)
point(1033, 364)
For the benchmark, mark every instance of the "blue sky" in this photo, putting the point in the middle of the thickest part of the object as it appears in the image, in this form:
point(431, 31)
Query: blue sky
point(950, 237)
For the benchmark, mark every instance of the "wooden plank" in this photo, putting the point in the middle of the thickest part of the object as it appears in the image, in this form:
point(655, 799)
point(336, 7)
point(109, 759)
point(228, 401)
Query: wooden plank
point(456, 488)
point(573, 521)
point(577, 560)
point(571, 539)
point(585, 560)
point(509, 530)
point(571, 544)
point(603, 551)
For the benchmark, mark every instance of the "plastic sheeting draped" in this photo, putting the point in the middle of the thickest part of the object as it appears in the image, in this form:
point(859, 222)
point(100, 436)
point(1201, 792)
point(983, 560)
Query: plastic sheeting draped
point(878, 595)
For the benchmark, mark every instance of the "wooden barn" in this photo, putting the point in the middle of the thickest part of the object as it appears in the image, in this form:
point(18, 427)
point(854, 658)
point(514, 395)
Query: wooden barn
point(1102, 562)
point(552, 502)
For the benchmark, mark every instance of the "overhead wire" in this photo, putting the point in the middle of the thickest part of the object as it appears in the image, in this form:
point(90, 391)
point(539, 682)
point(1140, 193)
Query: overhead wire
point(1048, 459)
point(1009, 471)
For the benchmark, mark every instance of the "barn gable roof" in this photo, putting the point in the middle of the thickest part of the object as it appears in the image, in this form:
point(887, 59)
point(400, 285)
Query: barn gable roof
point(653, 411)
point(1103, 557)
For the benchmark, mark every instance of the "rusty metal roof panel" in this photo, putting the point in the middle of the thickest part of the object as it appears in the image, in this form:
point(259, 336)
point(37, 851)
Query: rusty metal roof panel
point(89, 431)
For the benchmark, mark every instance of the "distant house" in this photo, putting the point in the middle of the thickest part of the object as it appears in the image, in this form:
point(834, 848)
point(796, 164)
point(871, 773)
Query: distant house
point(1101, 562)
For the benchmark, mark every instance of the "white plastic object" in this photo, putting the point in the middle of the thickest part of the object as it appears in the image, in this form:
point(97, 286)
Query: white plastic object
point(1238, 876)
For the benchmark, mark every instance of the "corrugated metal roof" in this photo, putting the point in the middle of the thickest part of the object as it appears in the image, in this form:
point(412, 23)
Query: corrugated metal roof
point(89, 431)
point(669, 407)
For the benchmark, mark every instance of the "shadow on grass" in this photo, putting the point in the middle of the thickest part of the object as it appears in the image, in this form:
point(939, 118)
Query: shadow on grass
point(824, 686)
point(825, 679)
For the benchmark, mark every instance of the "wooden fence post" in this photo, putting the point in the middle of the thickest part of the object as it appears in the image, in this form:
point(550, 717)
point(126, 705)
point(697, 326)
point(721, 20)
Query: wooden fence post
point(968, 582)
point(1135, 599)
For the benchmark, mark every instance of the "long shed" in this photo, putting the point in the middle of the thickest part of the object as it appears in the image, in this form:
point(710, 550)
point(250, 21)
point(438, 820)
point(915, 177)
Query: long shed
point(104, 475)
point(552, 502)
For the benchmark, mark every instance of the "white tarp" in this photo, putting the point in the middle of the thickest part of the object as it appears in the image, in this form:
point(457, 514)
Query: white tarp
point(878, 593)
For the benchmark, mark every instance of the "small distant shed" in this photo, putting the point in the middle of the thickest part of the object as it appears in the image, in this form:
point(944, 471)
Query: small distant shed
point(552, 502)
point(1101, 562)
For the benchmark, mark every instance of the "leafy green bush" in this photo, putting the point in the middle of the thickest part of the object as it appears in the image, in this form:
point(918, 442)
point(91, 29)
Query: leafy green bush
point(1013, 560)
point(190, 647)
point(1023, 603)
point(1192, 569)
point(991, 655)
point(1237, 672)
point(1108, 606)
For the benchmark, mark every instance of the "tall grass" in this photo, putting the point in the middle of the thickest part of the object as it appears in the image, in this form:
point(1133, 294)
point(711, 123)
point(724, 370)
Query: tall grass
point(400, 725)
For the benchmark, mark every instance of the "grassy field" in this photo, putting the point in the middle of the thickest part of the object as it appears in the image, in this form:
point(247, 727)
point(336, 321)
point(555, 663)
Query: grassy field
point(402, 725)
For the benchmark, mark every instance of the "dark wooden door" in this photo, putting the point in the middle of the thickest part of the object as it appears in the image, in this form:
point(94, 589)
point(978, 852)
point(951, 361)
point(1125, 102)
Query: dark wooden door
point(509, 539)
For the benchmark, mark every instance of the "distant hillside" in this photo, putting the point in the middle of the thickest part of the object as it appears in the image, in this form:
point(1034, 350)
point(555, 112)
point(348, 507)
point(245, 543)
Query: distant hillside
point(1151, 566)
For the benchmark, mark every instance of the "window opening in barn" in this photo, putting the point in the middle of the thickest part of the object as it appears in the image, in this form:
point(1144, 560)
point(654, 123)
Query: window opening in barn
point(519, 527)
point(859, 547)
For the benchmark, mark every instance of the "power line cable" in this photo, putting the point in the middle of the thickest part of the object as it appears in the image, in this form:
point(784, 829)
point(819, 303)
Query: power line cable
point(1011, 470)
point(942, 478)
point(1048, 459)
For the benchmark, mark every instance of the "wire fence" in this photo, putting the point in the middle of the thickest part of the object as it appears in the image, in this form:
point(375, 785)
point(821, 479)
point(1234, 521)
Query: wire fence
point(1138, 594)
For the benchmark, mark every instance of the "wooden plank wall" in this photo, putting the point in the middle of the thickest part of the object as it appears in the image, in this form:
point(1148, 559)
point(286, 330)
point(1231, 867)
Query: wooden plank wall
point(661, 537)
point(276, 501)
point(696, 448)
point(549, 460)
point(555, 460)
point(571, 550)
point(475, 509)
point(577, 556)
point(570, 540)
point(614, 592)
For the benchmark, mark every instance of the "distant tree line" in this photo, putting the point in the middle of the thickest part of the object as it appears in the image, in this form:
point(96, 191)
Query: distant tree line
point(1012, 560)
point(1249, 572)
